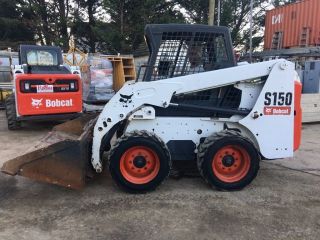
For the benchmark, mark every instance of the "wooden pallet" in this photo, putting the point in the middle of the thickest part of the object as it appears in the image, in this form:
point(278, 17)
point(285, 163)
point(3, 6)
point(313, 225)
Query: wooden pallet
point(75, 57)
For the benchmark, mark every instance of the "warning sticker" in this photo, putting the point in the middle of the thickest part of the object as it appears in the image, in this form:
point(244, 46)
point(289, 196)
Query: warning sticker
point(44, 88)
point(277, 110)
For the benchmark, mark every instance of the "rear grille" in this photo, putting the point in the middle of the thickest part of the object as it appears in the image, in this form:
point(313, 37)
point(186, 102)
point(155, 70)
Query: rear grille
point(60, 85)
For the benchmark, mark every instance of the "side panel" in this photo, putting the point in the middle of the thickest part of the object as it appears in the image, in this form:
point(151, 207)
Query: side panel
point(178, 128)
point(181, 134)
point(272, 118)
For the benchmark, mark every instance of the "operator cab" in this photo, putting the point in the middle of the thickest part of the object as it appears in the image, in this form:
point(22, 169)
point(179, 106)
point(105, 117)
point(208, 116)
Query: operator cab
point(42, 60)
point(178, 50)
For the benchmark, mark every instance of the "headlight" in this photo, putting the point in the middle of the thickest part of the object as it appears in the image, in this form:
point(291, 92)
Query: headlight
point(27, 86)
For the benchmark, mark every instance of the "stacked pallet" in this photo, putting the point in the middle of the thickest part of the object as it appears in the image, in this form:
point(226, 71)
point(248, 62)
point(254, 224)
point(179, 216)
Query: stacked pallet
point(123, 69)
point(310, 104)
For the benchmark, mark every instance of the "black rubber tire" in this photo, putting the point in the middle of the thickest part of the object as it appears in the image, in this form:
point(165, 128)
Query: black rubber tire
point(211, 146)
point(139, 138)
point(11, 113)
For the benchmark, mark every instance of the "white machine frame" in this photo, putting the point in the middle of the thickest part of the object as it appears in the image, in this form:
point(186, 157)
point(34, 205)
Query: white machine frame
point(134, 102)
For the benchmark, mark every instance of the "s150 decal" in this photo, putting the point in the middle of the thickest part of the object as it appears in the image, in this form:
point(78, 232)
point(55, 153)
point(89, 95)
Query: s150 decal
point(277, 103)
point(278, 99)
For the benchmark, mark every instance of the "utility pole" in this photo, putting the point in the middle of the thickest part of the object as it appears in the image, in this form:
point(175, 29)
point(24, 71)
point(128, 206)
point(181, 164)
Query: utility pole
point(251, 26)
point(211, 12)
point(219, 12)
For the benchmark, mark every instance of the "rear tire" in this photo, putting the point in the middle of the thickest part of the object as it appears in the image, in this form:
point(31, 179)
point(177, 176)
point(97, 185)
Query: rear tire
point(11, 113)
point(139, 161)
point(228, 161)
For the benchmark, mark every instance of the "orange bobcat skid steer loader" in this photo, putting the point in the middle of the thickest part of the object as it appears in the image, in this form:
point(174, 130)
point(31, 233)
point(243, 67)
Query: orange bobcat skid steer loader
point(44, 89)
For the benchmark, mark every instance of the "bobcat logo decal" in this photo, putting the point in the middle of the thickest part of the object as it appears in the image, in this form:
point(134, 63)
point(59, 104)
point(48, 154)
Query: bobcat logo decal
point(36, 102)
point(125, 99)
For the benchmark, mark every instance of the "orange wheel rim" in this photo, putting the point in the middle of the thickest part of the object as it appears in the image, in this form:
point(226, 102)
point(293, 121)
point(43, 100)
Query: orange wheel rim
point(139, 165)
point(231, 163)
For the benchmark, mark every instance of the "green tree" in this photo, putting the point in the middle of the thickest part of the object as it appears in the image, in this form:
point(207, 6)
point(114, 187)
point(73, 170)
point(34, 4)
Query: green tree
point(62, 9)
point(129, 17)
point(117, 26)
point(195, 11)
point(85, 24)
point(42, 15)
point(15, 24)
point(234, 14)
point(51, 21)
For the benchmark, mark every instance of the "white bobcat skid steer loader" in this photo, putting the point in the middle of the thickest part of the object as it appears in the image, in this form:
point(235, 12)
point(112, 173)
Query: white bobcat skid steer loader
point(193, 104)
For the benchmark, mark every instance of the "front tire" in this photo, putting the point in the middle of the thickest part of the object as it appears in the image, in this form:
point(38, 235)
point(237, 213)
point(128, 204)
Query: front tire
point(228, 161)
point(139, 161)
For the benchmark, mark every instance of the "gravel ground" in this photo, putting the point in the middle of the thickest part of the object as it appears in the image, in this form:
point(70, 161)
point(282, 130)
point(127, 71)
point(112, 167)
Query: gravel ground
point(283, 202)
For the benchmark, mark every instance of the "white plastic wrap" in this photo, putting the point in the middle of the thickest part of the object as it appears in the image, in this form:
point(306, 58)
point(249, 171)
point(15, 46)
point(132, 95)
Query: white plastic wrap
point(99, 84)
